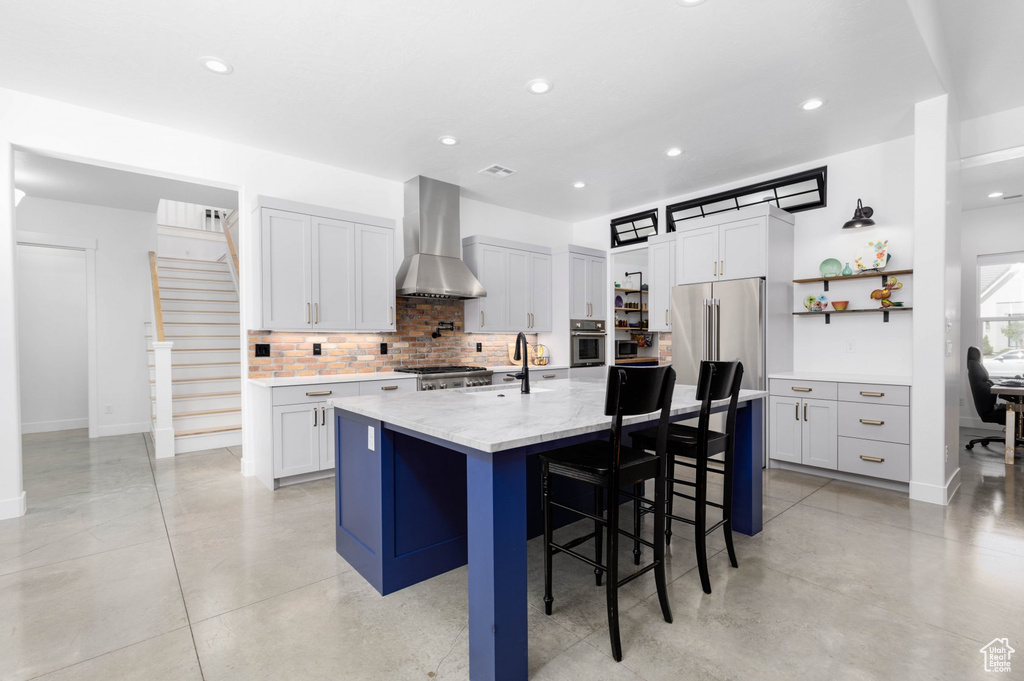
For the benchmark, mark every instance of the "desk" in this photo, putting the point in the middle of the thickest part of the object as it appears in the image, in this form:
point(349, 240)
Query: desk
point(1011, 422)
point(427, 481)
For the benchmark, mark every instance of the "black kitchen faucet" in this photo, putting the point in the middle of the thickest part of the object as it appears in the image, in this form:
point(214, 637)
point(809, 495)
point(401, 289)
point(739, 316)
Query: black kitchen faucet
point(525, 358)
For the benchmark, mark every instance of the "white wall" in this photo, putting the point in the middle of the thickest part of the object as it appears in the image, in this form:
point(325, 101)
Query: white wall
point(883, 176)
point(505, 223)
point(123, 241)
point(999, 229)
point(53, 339)
point(1003, 130)
point(197, 246)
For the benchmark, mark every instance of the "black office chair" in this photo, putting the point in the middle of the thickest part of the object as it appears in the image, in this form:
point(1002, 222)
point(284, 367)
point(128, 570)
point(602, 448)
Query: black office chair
point(609, 465)
point(693, 447)
point(985, 402)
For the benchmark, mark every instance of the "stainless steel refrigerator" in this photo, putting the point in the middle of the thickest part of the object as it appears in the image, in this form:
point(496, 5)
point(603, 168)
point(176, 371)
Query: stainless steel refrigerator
point(719, 321)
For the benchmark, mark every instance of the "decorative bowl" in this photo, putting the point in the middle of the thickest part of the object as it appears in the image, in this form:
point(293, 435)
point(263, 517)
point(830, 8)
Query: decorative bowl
point(840, 305)
point(830, 268)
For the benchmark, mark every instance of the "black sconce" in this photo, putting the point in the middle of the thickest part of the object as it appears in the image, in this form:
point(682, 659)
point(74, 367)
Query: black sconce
point(861, 217)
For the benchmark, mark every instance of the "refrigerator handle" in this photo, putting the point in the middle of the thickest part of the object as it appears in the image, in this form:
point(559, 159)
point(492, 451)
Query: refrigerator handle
point(718, 330)
point(706, 330)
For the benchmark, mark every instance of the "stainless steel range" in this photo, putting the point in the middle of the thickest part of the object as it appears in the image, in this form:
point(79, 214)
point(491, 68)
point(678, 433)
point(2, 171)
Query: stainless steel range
point(451, 376)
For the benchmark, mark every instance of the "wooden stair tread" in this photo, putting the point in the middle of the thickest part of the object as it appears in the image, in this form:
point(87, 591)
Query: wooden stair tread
point(196, 300)
point(200, 323)
point(201, 380)
point(208, 290)
point(202, 364)
point(210, 412)
point(219, 281)
point(199, 397)
point(208, 262)
point(206, 431)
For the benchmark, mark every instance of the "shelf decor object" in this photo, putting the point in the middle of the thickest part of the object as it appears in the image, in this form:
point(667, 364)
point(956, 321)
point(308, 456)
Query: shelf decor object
point(889, 282)
point(861, 217)
point(830, 268)
point(877, 259)
point(847, 271)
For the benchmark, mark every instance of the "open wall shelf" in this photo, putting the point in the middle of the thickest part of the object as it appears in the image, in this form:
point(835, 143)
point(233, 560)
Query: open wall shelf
point(884, 274)
point(828, 315)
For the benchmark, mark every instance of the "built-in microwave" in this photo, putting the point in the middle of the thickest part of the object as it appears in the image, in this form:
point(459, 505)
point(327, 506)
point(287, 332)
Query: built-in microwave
point(588, 339)
point(625, 349)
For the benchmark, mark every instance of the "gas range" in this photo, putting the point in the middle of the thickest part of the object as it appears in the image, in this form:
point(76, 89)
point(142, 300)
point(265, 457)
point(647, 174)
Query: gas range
point(450, 376)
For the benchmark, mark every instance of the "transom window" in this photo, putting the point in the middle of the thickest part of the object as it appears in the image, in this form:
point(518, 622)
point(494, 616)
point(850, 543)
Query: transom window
point(634, 229)
point(1001, 313)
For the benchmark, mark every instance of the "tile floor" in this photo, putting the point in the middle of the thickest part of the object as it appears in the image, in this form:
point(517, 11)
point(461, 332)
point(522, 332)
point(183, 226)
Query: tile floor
point(130, 568)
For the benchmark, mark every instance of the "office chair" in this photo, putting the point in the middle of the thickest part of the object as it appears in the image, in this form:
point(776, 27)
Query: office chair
point(984, 400)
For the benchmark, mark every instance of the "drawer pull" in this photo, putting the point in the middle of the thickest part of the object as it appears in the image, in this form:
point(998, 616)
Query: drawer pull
point(872, 459)
point(389, 387)
point(319, 393)
point(801, 390)
point(872, 422)
point(866, 393)
point(509, 378)
point(548, 375)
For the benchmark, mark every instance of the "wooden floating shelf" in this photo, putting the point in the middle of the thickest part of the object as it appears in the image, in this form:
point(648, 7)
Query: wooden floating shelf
point(827, 315)
point(630, 290)
point(629, 309)
point(862, 275)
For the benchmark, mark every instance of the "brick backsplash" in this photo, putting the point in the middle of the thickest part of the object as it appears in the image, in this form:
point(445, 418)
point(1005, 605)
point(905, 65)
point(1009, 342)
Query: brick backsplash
point(291, 354)
point(665, 347)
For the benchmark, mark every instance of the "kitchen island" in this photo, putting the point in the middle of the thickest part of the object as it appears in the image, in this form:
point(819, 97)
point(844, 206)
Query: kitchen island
point(427, 481)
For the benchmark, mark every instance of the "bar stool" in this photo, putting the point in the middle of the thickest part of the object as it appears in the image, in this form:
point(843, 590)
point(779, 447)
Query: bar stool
point(609, 465)
point(693, 447)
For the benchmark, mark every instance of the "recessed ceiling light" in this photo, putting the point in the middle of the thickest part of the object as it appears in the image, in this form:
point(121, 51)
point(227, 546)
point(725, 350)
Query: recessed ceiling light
point(579, 185)
point(18, 196)
point(674, 151)
point(812, 104)
point(215, 65)
point(689, 3)
point(995, 195)
point(448, 140)
point(539, 86)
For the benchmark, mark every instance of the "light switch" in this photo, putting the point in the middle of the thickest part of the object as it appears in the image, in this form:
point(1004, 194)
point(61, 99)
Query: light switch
point(369, 438)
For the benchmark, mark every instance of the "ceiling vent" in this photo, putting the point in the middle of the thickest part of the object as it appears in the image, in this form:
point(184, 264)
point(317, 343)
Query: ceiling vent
point(1015, 196)
point(497, 171)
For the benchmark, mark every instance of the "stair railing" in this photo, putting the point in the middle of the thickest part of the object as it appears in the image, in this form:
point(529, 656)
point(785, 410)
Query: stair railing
point(163, 422)
point(230, 224)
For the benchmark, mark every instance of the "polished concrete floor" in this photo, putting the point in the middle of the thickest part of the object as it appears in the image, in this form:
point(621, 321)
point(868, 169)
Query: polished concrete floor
point(130, 568)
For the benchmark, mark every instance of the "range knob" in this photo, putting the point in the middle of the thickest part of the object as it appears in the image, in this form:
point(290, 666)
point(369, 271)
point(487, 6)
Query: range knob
point(442, 386)
point(428, 386)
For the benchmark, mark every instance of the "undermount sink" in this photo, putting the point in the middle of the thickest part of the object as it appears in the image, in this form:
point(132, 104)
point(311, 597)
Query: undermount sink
point(507, 390)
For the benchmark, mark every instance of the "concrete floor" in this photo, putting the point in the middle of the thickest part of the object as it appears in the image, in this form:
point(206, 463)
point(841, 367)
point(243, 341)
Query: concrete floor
point(130, 568)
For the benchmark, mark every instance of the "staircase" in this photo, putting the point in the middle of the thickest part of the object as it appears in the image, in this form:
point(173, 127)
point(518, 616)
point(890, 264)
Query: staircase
point(198, 304)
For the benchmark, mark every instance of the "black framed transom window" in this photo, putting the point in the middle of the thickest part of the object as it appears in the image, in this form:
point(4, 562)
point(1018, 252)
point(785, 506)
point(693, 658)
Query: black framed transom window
point(793, 193)
point(634, 229)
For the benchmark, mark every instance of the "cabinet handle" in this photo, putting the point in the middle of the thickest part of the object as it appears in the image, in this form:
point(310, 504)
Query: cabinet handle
point(509, 378)
point(872, 422)
point(307, 313)
point(715, 262)
point(548, 375)
point(801, 390)
point(721, 268)
point(314, 417)
point(391, 315)
point(805, 411)
point(389, 387)
point(873, 459)
point(865, 393)
point(323, 416)
point(796, 411)
point(481, 319)
point(319, 393)
point(316, 312)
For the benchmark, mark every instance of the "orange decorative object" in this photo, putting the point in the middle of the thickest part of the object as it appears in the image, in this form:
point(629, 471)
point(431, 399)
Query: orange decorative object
point(884, 294)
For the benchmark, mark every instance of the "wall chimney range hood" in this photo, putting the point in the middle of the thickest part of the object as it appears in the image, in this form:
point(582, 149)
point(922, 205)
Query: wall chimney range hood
point(433, 266)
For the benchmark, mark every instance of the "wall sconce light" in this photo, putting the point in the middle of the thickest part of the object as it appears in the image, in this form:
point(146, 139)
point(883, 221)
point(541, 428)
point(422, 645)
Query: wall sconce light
point(18, 196)
point(861, 217)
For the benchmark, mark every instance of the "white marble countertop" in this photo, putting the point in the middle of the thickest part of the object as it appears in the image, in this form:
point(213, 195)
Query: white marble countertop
point(330, 378)
point(512, 368)
point(480, 419)
point(891, 379)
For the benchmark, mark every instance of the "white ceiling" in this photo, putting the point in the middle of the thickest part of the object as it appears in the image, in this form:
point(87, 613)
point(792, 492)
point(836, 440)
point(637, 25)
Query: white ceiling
point(50, 178)
point(978, 182)
point(370, 86)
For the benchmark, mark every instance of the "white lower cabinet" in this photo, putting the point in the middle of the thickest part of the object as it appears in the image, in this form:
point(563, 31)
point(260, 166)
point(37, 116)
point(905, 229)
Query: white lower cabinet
point(856, 428)
point(300, 439)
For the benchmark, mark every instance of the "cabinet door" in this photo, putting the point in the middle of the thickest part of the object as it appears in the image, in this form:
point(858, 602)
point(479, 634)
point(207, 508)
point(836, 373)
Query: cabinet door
point(785, 427)
point(597, 287)
point(375, 278)
point(286, 275)
point(492, 274)
point(325, 436)
point(334, 275)
point(741, 249)
point(697, 256)
point(661, 272)
point(820, 433)
point(540, 290)
point(579, 304)
point(517, 294)
point(296, 439)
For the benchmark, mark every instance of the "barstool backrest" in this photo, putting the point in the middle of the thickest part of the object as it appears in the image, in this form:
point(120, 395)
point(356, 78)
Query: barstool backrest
point(639, 390)
point(718, 381)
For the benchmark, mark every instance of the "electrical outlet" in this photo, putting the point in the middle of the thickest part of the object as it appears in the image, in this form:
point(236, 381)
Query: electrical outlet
point(963, 402)
point(370, 444)
point(263, 349)
point(108, 409)
point(317, 349)
point(849, 346)
point(947, 452)
point(383, 348)
point(479, 347)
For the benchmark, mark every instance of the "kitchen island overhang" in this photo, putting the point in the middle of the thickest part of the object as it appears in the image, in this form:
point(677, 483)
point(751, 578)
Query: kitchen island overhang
point(426, 482)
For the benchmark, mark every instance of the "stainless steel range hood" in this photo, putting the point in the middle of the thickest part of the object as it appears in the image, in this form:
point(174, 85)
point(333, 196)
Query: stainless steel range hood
point(433, 266)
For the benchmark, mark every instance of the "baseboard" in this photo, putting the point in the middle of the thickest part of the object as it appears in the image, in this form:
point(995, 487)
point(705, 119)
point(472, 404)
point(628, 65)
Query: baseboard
point(248, 467)
point(13, 508)
point(53, 426)
point(124, 429)
point(935, 494)
point(952, 485)
point(977, 424)
point(893, 485)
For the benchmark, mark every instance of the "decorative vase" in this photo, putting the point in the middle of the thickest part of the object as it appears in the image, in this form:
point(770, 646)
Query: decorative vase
point(847, 271)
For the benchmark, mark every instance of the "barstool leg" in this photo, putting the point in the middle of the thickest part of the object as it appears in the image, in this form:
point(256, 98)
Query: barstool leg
point(727, 506)
point(612, 566)
point(598, 511)
point(546, 493)
point(670, 473)
point(638, 489)
point(659, 547)
point(700, 523)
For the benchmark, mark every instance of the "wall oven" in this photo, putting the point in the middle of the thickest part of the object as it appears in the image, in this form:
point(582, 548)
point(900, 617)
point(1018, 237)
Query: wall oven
point(588, 339)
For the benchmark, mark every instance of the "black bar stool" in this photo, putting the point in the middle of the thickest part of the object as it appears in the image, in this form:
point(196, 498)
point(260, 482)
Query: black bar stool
point(609, 465)
point(693, 447)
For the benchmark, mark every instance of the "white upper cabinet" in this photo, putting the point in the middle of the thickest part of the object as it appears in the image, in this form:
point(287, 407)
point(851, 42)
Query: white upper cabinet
point(322, 272)
point(588, 280)
point(730, 250)
point(375, 282)
point(661, 277)
point(597, 287)
point(517, 278)
point(697, 255)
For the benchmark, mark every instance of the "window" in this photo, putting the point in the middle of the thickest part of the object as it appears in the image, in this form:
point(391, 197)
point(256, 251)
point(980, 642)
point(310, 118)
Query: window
point(634, 229)
point(793, 193)
point(1001, 313)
